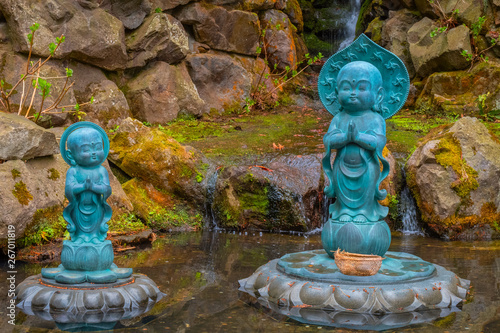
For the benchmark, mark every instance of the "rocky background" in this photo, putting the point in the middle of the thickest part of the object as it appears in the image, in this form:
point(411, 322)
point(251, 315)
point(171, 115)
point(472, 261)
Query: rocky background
point(149, 62)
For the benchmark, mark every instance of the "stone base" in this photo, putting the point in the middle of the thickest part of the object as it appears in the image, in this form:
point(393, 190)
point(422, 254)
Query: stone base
point(405, 284)
point(87, 302)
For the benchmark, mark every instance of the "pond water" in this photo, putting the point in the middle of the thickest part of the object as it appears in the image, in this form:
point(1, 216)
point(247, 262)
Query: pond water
point(199, 274)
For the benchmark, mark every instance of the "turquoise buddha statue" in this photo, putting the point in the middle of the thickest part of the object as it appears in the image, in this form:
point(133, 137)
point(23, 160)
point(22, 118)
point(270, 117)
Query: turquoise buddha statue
point(361, 86)
point(88, 256)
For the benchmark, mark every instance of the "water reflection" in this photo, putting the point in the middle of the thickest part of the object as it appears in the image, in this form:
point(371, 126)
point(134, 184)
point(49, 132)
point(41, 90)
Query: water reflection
point(199, 274)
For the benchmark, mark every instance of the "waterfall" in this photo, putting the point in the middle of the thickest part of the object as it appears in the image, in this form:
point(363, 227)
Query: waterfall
point(209, 213)
point(350, 25)
point(407, 209)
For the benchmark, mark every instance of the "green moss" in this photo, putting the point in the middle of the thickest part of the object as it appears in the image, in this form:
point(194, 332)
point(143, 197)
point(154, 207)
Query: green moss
point(126, 222)
point(48, 224)
point(374, 30)
point(315, 45)
point(446, 322)
point(15, 173)
point(21, 193)
point(158, 209)
point(449, 154)
point(54, 174)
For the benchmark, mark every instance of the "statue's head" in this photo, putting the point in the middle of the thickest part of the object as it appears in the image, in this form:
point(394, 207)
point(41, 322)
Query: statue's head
point(359, 87)
point(85, 147)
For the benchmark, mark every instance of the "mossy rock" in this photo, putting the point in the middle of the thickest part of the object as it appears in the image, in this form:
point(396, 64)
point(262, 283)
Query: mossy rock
point(151, 155)
point(450, 177)
point(160, 210)
point(463, 92)
point(286, 195)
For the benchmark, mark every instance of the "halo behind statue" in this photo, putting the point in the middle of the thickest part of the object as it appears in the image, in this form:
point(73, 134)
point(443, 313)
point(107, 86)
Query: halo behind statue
point(396, 81)
point(74, 127)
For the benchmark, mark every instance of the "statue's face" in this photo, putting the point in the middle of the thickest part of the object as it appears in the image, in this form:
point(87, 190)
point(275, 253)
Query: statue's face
point(86, 147)
point(357, 87)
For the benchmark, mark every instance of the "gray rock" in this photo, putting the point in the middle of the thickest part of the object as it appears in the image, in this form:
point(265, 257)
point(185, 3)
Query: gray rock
point(169, 4)
point(130, 12)
point(232, 31)
point(425, 8)
point(281, 49)
point(439, 53)
point(110, 106)
point(27, 187)
point(161, 36)
point(435, 187)
point(458, 91)
point(468, 11)
point(285, 196)
point(39, 184)
point(222, 81)
point(394, 33)
point(23, 139)
point(138, 238)
point(161, 92)
point(92, 36)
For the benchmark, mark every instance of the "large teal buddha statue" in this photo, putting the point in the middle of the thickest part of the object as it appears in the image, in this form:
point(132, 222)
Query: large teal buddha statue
point(88, 256)
point(361, 87)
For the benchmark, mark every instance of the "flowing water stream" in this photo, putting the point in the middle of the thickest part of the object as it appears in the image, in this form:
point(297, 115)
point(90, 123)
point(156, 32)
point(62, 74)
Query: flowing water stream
point(199, 274)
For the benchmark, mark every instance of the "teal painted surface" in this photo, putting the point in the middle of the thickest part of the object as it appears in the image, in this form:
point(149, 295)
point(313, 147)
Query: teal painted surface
point(361, 86)
point(364, 238)
point(88, 256)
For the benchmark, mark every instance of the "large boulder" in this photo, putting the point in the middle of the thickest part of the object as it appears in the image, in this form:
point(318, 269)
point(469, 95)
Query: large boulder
point(467, 12)
point(161, 36)
point(279, 41)
point(92, 36)
point(458, 92)
point(454, 177)
point(161, 92)
point(22, 139)
point(130, 12)
point(226, 30)
point(286, 194)
point(292, 9)
point(110, 106)
point(439, 53)
point(222, 81)
point(151, 155)
point(28, 187)
point(394, 36)
point(38, 184)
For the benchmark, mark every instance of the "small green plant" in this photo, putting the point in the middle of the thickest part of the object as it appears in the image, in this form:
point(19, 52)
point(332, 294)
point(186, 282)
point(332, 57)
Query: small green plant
point(496, 226)
point(158, 10)
point(40, 84)
point(393, 206)
point(446, 21)
point(114, 129)
point(260, 98)
point(478, 55)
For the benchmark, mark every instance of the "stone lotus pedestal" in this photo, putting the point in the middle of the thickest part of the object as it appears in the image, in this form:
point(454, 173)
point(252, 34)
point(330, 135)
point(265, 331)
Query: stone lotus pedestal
point(87, 291)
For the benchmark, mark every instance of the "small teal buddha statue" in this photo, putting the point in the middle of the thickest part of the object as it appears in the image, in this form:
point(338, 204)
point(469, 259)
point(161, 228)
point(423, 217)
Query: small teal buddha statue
point(88, 256)
point(361, 86)
point(357, 132)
